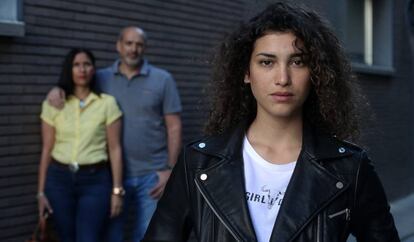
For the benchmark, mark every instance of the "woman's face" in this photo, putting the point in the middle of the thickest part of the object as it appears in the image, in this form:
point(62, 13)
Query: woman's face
point(82, 70)
point(278, 76)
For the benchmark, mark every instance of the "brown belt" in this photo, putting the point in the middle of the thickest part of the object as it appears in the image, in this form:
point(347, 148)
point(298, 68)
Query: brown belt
point(74, 167)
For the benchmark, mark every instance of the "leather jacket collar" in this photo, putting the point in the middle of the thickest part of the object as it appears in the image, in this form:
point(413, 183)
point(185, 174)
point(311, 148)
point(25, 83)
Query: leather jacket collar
point(310, 179)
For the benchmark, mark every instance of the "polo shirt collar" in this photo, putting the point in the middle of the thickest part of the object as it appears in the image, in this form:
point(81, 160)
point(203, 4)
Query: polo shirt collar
point(91, 97)
point(145, 68)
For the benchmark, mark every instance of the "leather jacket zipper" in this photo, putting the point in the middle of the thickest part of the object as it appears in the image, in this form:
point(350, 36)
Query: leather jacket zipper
point(318, 229)
point(346, 211)
point(215, 211)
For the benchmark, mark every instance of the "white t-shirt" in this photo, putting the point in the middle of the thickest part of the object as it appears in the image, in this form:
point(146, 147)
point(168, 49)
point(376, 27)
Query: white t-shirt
point(266, 184)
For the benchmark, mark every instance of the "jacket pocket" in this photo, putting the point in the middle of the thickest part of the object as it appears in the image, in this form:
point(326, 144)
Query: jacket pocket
point(346, 213)
point(342, 214)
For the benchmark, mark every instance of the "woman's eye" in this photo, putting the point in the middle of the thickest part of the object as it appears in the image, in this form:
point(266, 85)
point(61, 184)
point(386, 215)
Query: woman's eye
point(298, 62)
point(266, 62)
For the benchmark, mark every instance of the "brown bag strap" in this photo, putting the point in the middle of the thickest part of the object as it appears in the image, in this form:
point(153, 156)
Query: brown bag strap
point(33, 238)
point(40, 230)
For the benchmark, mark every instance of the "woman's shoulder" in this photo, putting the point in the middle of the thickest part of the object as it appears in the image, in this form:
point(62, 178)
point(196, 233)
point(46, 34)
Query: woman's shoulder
point(195, 143)
point(209, 150)
point(355, 148)
point(349, 158)
point(212, 143)
point(47, 107)
point(351, 151)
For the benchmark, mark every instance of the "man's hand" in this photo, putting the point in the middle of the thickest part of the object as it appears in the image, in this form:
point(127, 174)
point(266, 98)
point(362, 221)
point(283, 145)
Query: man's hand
point(158, 190)
point(56, 97)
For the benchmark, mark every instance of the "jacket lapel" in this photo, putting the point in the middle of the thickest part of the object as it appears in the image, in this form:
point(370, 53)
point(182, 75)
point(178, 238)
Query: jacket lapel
point(224, 186)
point(311, 187)
point(309, 190)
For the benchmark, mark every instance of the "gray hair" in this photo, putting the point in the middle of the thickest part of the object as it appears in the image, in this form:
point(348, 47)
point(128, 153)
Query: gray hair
point(138, 29)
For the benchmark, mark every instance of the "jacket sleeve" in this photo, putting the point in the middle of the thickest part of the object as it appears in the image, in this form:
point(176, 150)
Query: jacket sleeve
point(371, 219)
point(170, 221)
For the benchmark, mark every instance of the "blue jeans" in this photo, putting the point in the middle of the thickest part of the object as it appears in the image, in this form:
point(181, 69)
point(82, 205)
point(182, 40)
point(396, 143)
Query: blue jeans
point(80, 202)
point(137, 194)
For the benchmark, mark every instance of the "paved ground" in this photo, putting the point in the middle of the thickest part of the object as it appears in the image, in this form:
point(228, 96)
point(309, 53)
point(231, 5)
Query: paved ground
point(403, 211)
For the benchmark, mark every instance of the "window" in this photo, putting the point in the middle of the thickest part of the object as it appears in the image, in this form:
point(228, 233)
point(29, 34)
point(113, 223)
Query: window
point(365, 28)
point(11, 18)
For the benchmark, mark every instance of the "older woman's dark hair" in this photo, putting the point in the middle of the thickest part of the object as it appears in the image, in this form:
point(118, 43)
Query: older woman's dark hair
point(331, 104)
point(66, 77)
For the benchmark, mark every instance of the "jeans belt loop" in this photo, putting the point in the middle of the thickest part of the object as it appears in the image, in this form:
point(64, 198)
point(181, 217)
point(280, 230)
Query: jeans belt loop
point(73, 167)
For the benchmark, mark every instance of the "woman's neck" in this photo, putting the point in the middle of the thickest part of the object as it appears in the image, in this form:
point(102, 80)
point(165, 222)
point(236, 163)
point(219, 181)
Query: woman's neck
point(278, 140)
point(81, 92)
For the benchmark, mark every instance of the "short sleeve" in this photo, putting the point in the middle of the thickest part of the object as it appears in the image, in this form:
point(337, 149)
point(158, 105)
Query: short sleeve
point(49, 113)
point(171, 103)
point(112, 110)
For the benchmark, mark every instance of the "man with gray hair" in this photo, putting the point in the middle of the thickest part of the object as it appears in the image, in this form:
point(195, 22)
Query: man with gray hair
point(151, 136)
point(151, 128)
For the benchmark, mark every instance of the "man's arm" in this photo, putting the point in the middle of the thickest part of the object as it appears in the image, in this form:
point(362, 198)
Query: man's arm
point(171, 220)
point(173, 124)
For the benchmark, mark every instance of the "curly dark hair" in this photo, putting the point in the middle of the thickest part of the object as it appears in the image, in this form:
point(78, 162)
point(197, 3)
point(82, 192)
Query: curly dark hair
point(66, 78)
point(332, 101)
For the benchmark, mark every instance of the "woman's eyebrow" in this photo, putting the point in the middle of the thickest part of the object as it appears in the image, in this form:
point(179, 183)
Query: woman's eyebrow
point(266, 55)
point(295, 54)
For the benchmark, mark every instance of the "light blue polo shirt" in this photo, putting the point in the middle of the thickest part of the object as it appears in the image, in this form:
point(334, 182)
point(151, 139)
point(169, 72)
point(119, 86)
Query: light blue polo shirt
point(144, 100)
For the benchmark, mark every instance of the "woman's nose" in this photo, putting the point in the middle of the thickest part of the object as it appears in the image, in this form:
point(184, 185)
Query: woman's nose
point(283, 77)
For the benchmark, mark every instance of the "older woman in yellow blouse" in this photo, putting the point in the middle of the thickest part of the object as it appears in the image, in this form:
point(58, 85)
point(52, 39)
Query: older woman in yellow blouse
point(78, 182)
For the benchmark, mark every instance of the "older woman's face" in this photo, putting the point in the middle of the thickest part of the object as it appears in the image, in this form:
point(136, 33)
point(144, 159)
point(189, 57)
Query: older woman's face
point(82, 70)
point(278, 76)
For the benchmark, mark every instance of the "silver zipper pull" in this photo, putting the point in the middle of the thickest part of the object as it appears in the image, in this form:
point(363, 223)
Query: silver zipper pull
point(348, 214)
point(346, 211)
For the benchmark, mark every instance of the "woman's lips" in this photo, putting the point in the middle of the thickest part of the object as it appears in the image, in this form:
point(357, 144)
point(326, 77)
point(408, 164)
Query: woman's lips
point(281, 96)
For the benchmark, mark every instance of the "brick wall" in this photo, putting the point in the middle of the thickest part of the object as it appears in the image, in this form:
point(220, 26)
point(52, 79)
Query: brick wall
point(181, 35)
point(390, 135)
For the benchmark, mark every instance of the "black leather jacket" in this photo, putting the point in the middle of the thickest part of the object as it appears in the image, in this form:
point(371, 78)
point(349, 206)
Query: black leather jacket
point(333, 192)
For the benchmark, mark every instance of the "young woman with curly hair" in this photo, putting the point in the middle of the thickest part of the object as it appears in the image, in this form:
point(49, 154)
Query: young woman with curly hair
point(274, 166)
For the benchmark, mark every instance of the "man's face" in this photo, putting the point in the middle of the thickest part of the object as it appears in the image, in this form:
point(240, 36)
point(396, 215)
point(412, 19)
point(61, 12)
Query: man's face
point(131, 48)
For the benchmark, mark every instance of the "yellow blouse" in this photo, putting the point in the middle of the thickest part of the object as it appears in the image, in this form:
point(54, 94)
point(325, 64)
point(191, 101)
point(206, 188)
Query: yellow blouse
point(80, 133)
